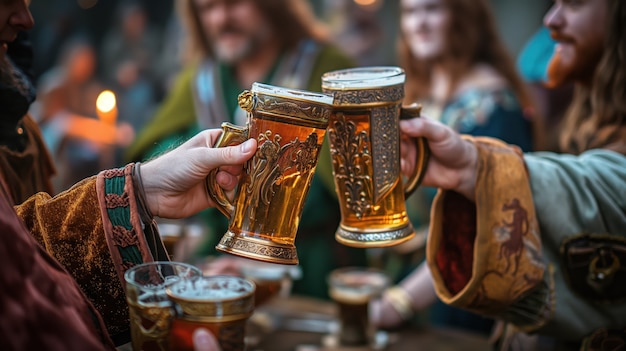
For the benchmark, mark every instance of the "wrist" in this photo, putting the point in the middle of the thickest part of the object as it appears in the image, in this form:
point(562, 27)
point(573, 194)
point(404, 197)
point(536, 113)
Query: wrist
point(140, 194)
point(400, 300)
point(467, 182)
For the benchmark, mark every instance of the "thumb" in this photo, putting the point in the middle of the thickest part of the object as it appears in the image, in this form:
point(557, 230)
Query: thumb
point(231, 155)
point(426, 127)
point(203, 340)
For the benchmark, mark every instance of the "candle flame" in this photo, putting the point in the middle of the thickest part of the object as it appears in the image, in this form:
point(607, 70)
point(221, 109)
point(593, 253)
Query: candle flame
point(106, 101)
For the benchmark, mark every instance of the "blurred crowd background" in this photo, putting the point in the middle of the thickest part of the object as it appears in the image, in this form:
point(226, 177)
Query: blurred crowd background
point(373, 22)
point(134, 49)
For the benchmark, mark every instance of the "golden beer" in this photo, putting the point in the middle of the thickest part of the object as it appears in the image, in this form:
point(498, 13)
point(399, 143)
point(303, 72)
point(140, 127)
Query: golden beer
point(365, 147)
point(221, 304)
point(276, 180)
point(150, 322)
point(352, 288)
point(289, 126)
point(150, 309)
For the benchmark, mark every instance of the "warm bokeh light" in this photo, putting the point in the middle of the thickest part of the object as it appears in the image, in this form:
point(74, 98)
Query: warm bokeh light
point(365, 2)
point(106, 101)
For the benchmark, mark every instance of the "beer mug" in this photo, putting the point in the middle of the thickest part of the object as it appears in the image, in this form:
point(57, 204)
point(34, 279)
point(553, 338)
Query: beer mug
point(352, 289)
point(150, 309)
point(222, 304)
point(289, 126)
point(364, 140)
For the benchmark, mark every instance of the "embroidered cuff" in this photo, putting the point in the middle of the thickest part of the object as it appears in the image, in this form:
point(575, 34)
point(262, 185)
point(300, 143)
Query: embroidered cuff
point(140, 194)
point(484, 256)
point(120, 217)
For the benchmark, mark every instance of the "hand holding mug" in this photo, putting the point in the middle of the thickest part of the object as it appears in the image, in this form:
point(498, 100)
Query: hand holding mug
point(453, 160)
point(174, 182)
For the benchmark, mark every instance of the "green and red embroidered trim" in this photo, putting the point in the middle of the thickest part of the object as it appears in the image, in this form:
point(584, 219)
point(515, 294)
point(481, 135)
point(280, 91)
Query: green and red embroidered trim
point(122, 225)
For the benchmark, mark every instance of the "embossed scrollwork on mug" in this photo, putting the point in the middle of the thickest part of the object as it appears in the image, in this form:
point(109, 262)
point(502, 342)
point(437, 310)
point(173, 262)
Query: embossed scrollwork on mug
point(364, 140)
point(290, 126)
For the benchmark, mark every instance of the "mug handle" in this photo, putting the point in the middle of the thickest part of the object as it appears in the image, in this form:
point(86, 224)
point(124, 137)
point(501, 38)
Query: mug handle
point(423, 152)
point(231, 134)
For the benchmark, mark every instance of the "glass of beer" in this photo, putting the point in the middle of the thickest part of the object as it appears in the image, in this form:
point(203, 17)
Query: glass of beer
point(289, 126)
point(271, 279)
point(352, 288)
point(151, 311)
point(222, 304)
point(364, 140)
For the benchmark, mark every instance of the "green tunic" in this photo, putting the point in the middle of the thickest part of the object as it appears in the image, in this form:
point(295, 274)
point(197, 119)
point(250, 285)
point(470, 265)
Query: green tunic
point(576, 195)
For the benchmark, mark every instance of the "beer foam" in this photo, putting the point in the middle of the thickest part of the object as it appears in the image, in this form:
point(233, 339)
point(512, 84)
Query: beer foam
point(363, 77)
point(153, 298)
point(214, 288)
point(362, 279)
point(372, 281)
point(292, 93)
point(356, 285)
point(350, 296)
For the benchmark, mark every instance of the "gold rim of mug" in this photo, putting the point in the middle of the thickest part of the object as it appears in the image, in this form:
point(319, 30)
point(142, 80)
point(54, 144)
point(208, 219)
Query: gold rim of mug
point(368, 239)
point(300, 111)
point(258, 249)
point(285, 93)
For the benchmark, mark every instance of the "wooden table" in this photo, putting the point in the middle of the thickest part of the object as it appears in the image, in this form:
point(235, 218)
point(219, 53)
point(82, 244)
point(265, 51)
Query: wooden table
point(304, 324)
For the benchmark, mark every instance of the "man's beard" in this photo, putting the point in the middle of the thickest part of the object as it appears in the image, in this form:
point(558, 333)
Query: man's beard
point(580, 69)
point(251, 43)
point(557, 74)
point(232, 55)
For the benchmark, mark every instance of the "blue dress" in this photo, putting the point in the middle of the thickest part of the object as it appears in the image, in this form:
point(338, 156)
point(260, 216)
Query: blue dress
point(495, 113)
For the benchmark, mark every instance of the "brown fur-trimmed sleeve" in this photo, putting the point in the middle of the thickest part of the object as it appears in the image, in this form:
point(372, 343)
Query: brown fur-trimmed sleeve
point(94, 231)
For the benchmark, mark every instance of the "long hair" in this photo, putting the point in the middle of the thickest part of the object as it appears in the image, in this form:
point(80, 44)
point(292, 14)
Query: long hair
point(597, 116)
point(291, 21)
point(472, 38)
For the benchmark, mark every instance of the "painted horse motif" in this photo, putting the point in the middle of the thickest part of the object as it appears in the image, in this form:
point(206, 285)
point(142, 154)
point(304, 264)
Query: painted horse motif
point(517, 228)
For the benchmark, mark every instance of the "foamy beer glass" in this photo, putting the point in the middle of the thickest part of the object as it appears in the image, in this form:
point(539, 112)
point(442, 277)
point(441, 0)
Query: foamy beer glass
point(289, 126)
point(352, 289)
point(151, 311)
point(222, 304)
point(364, 140)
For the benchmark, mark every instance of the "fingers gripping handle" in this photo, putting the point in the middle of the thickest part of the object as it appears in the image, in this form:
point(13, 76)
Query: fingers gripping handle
point(231, 134)
point(423, 152)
